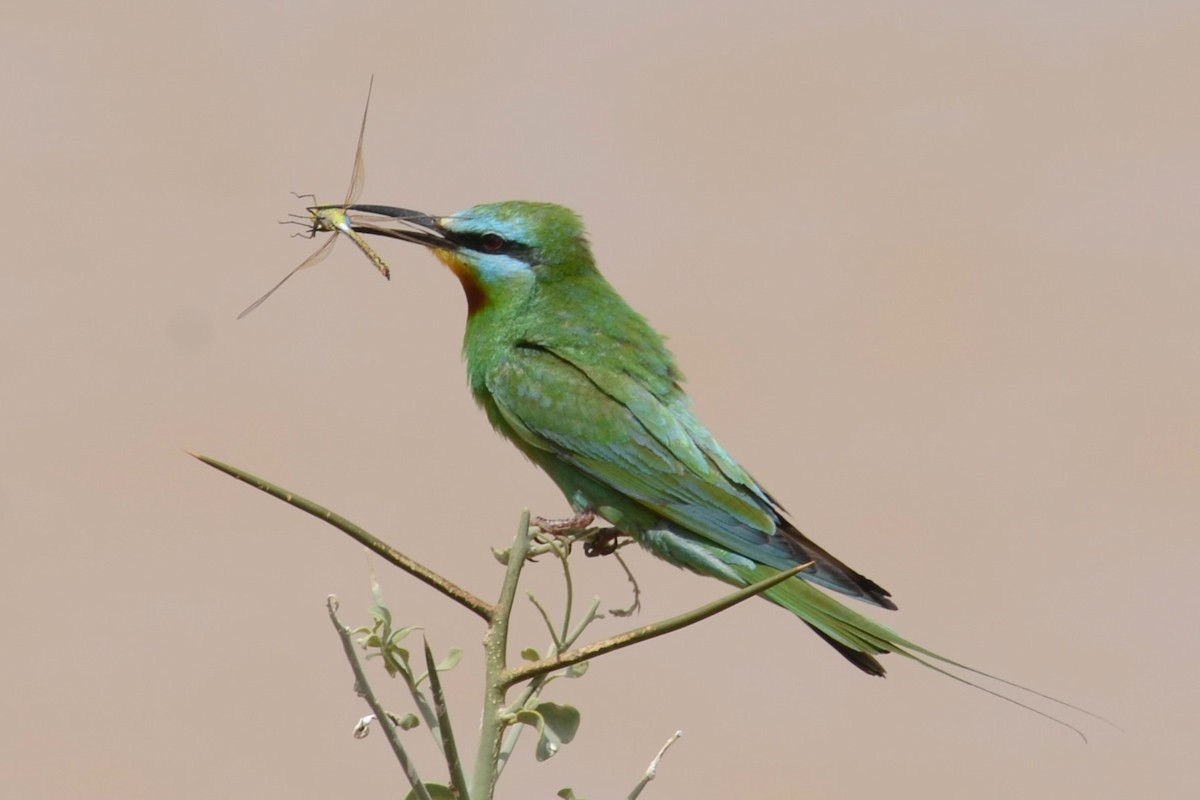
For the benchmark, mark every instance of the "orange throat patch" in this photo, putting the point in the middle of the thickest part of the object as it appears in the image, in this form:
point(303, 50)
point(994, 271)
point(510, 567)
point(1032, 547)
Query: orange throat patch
point(476, 298)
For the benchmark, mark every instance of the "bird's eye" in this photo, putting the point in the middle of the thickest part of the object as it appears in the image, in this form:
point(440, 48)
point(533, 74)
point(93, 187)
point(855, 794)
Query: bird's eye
point(492, 242)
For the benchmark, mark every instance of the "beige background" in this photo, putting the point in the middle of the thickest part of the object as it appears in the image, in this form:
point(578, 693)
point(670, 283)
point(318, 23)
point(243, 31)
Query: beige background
point(932, 274)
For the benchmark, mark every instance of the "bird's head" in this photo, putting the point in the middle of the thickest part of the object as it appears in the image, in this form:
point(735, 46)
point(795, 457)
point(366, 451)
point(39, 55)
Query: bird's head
point(497, 250)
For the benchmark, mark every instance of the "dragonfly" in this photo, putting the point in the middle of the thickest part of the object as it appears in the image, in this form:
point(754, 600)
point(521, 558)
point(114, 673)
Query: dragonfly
point(335, 219)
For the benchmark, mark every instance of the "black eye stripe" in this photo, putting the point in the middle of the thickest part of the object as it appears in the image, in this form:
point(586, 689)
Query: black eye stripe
point(483, 242)
point(493, 243)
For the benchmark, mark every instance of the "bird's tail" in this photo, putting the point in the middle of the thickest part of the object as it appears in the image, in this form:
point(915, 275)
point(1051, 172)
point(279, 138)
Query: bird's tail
point(856, 637)
point(859, 639)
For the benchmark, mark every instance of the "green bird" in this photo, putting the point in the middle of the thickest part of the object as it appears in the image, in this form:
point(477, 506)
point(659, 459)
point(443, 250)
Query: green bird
point(582, 385)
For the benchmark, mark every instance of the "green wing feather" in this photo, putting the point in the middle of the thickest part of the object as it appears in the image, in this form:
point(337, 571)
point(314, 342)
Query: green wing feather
point(594, 418)
point(596, 427)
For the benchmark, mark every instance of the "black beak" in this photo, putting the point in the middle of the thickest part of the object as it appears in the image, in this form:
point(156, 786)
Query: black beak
point(423, 229)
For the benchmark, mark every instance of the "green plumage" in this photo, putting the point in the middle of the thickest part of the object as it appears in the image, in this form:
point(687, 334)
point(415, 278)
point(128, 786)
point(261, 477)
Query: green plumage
point(587, 390)
point(582, 385)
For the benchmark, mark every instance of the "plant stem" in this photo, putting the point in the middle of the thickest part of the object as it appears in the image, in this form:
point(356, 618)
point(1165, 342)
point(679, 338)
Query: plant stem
point(427, 714)
point(545, 665)
point(557, 640)
point(495, 646)
point(363, 687)
point(570, 595)
point(534, 687)
point(652, 770)
point(382, 549)
point(458, 781)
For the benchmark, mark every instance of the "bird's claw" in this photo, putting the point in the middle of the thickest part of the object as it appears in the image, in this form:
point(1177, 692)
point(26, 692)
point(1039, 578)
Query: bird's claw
point(604, 542)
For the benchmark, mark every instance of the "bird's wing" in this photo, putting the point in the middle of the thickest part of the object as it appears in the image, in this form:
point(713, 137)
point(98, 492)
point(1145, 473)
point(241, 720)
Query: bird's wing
point(617, 432)
point(624, 437)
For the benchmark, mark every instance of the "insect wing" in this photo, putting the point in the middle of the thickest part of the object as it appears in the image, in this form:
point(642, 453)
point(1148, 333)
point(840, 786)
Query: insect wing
point(318, 255)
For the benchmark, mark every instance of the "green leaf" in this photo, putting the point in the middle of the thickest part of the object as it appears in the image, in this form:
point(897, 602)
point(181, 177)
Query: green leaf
point(556, 725)
point(395, 660)
point(408, 722)
point(559, 725)
point(576, 670)
point(448, 663)
point(567, 794)
point(562, 719)
point(397, 636)
point(529, 717)
point(548, 745)
point(530, 654)
point(451, 660)
point(436, 791)
point(383, 614)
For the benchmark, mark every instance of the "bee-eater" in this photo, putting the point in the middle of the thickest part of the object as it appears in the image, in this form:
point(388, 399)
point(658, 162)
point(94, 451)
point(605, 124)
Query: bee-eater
point(568, 372)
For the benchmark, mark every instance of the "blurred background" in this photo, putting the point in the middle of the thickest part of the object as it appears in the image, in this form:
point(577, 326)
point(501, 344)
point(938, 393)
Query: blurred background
point(932, 274)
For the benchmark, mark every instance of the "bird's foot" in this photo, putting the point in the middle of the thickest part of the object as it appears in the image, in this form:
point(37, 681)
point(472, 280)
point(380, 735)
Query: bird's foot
point(636, 605)
point(605, 542)
point(557, 535)
point(577, 522)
